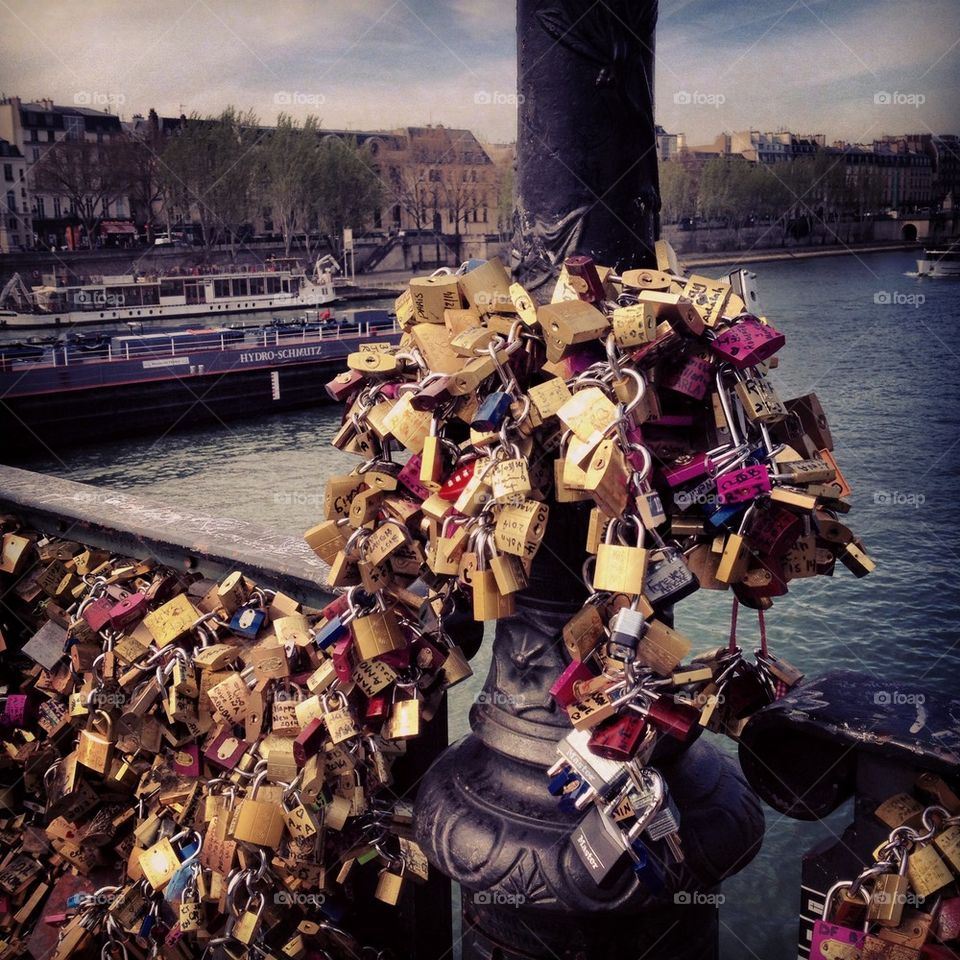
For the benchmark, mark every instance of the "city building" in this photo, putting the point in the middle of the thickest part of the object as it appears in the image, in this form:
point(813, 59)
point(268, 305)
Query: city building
point(669, 145)
point(34, 129)
point(944, 153)
point(15, 225)
point(890, 175)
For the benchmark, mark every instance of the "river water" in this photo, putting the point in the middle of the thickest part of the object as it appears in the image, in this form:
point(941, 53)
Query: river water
point(877, 345)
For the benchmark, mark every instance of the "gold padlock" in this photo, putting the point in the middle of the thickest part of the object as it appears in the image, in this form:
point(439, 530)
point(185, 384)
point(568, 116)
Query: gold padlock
point(377, 632)
point(620, 568)
point(259, 822)
point(94, 749)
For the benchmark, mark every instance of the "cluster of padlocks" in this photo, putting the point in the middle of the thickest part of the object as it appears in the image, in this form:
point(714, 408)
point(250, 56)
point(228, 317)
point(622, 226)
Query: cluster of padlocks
point(229, 751)
point(905, 905)
point(193, 774)
point(643, 398)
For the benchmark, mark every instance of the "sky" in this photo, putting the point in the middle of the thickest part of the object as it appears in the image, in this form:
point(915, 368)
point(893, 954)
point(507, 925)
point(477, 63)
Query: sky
point(850, 69)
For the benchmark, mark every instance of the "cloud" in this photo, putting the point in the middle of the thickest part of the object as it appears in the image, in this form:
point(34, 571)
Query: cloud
point(809, 65)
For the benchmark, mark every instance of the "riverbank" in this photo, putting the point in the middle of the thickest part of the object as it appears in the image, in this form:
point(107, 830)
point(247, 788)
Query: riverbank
point(385, 284)
point(789, 253)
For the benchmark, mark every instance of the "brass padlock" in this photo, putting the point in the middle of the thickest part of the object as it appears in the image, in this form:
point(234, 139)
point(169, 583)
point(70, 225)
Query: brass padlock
point(259, 822)
point(95, 749)
point(376, 632)
point(621, 568)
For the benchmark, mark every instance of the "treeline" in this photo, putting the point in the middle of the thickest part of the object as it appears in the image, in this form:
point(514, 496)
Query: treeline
point(222, 173)
point(737, 192)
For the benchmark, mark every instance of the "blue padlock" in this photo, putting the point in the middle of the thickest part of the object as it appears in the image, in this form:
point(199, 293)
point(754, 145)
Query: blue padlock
point(645, 867)
point(247, 622)
point(723, 514)
point(493, 411)
point(332, 631)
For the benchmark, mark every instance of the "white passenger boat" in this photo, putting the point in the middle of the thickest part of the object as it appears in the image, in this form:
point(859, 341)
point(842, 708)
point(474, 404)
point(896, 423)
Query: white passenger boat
point(277, 285)
point(940, 263)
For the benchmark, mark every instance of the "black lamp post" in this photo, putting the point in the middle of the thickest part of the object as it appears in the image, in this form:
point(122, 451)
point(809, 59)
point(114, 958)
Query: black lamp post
point(588, 184)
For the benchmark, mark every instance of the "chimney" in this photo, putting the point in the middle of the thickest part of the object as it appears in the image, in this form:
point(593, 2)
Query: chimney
point(47, 104)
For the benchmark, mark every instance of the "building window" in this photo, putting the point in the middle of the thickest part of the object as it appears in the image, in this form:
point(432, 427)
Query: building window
point(11, 201)
point(34, 136)
point(120, 209)
point(39, 204)
point(36, 155)
point(51, 136)
point(56, 206)
point(8, 172)
point(73, 127)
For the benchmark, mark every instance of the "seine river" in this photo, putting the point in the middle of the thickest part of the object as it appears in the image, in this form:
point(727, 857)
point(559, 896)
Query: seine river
point(877, 345)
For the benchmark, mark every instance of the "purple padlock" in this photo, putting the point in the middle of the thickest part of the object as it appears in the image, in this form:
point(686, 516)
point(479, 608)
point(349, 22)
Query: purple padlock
point(831, 941)
point(672, 420)
point(686, 469)
point(97, 614)
point(16, 710)
point(692, 377)
point(743, 483)
point(830, 938)
point(747, 342)
point(128, 610)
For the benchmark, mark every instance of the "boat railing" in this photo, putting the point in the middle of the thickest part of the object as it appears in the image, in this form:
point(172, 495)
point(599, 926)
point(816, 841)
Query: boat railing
point(129, 347)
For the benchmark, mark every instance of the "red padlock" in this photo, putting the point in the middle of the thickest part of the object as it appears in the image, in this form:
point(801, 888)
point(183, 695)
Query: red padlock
point(618, 738)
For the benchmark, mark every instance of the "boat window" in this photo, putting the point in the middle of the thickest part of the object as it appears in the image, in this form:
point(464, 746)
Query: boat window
point(294, 285)
point(149, 293)
point(256, 286)
point(286, 284)
point(171, 288)
point(273, 284)
point(221, 288)
point(118, 296)
point(240, 287)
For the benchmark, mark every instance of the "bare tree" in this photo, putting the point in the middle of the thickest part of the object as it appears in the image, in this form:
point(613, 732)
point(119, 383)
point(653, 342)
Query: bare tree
point(89, 175)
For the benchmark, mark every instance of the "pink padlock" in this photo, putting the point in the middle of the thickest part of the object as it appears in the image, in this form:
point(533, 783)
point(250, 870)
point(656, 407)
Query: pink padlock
point(747, 342)
point(686, 469)
point(829, 939)
point(562, 689)
point(15, 710)
point(409, 476)
point(132, 608)
point(692, 377)
point(833, 940)
point(743, 483)
point(97, 614)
